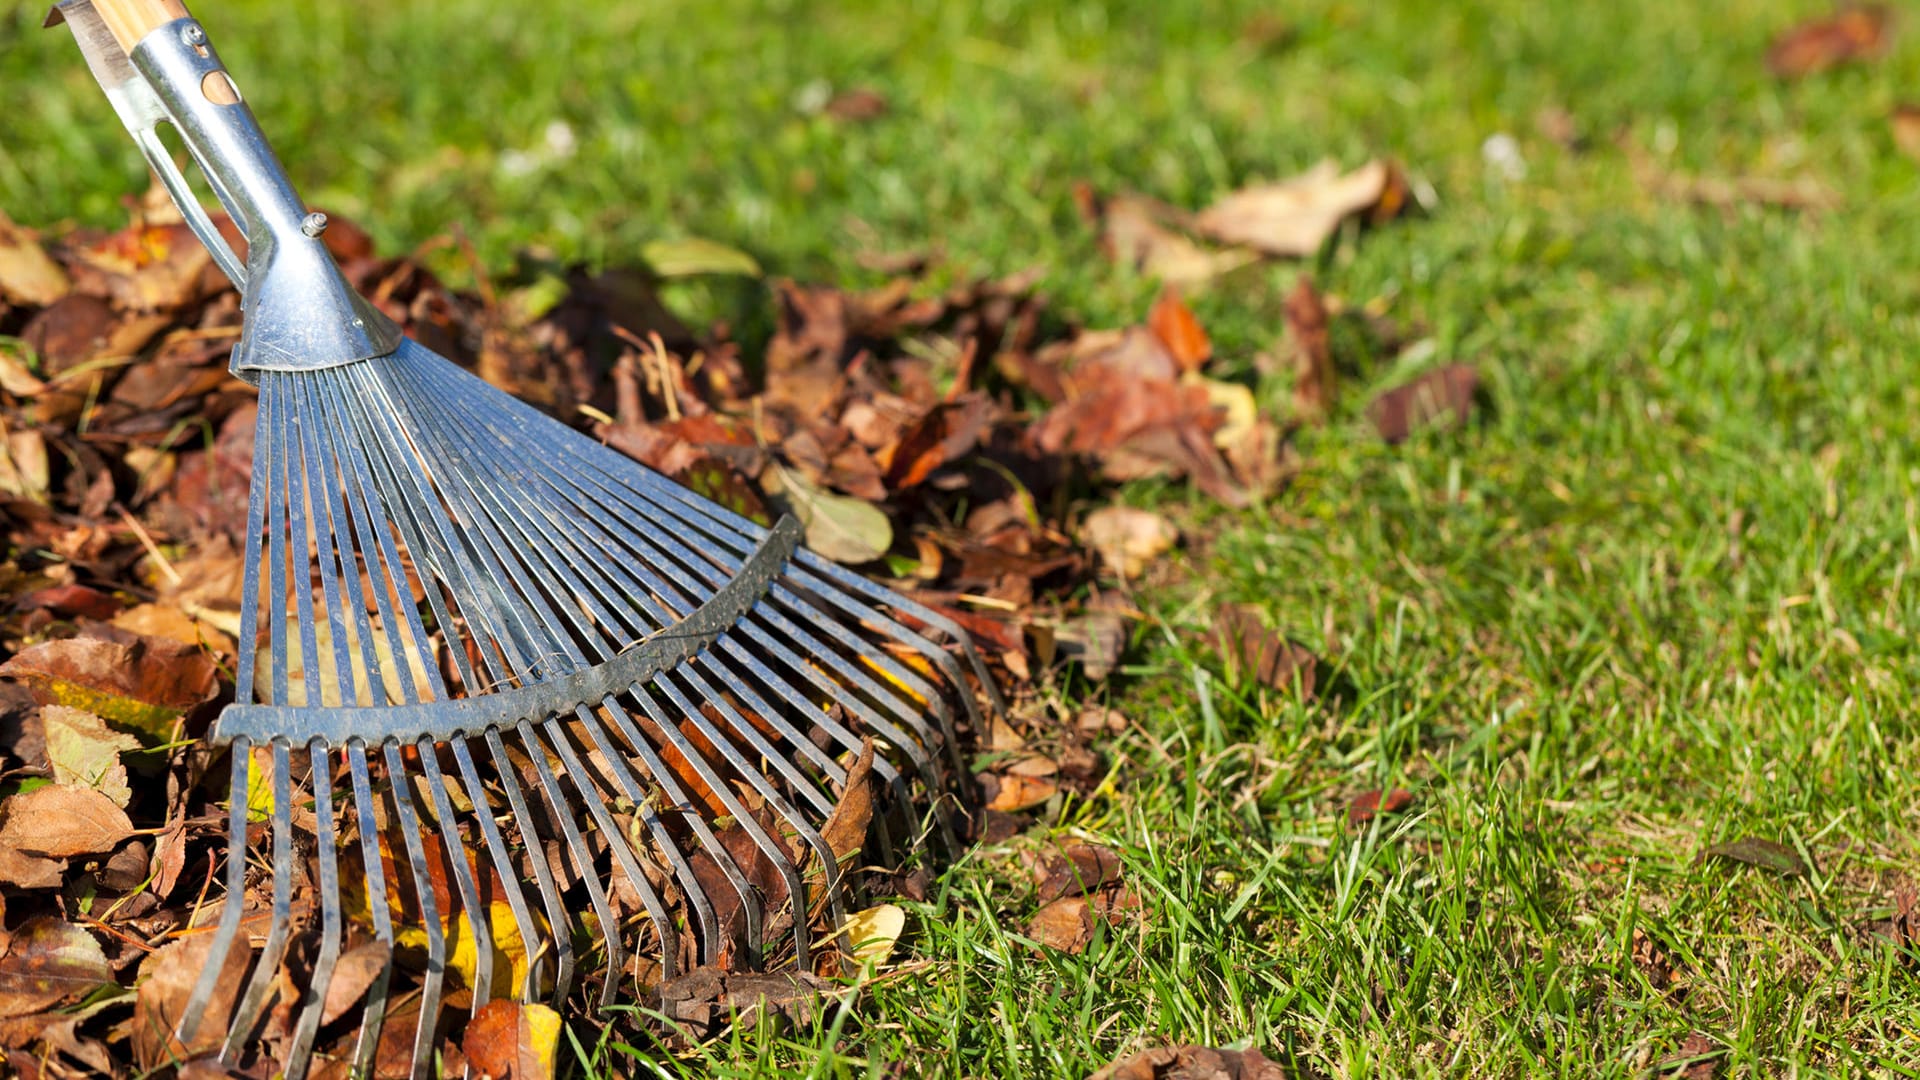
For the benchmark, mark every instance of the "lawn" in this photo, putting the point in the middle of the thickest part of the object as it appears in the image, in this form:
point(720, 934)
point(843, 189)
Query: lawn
point(1654, 599)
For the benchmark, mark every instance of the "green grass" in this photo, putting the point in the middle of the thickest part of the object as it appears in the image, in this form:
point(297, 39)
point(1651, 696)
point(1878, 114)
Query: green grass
point(1659, 596)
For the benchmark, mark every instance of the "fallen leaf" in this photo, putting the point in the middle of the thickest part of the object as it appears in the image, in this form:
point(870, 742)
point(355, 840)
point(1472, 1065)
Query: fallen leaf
point(353, 974)
point(691, 256)
point(1441, 397)
point(28, 275)
point(85, 752)
point(1697, 1058)
point(1174, 324)
point(1079, 869)
point(873, 933)
point(1905, 125)
point(58, 821)
point(856, 105)
point(1021, 792)
point(1193, 1063)
point(839, 527)
point(706, 1000)
point(1766, 854)
point(1855, 32)
point(1133, 233)
point(1255, 652)
point(49, 961)
point(139, 682)
point(508, 1039)
point(1069, 923)
point(166, 979)
point(1293, 218)
point(1096, 639)
point(1369, 803)
point(1313, 375)
point(1128, 538)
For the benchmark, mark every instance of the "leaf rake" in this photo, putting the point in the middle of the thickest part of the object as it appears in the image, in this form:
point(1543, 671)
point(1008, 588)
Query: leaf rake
point(541, 696)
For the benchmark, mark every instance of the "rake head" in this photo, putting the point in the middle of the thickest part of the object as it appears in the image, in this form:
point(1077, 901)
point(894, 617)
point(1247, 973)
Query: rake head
point(540, 701)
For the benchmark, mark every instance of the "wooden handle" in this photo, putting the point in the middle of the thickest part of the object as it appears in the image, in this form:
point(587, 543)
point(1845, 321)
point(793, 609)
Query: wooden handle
point(131, 20)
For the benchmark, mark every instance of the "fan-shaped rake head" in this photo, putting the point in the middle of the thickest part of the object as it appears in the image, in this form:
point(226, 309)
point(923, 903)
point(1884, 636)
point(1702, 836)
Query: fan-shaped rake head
point(490, 642)
point(515, 695)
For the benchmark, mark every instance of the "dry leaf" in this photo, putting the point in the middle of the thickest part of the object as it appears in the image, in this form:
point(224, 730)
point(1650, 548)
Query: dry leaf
point(1174, 324)
point(1258, 653)
point(1021, 792)
point(1767, 854)
point(1193, 1063)
point(1127, 538)
point(508, 1039)
point(1442, 397)
point(58, 821)
point(85, 752)
point(1369, 803)
point(873, 933)
point(845, 830)
point(1133, 234)
point(1855, 32)
point(1079, 869)
point(1293, 218)
point(28, 275)
point(166, 979)
point(1905, 125)
point(1313, 375)
point(140, 682)
point(49, 961)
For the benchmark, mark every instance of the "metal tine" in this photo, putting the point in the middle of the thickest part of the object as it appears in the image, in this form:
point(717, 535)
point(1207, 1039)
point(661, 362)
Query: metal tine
point(587, 505)
point(241, 750)
point(617, 843)
point(571, 583)
point(254, 997)
point(298, 1057)
point(503, 862)
point(408, 822)
point(559, 921)
point(479, 915)
point(559, 811)
point(375, 1011)
point(483, 516)
point(730, 527)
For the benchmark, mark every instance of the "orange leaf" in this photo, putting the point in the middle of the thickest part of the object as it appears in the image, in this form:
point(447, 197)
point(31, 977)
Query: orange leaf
point(1173, 323)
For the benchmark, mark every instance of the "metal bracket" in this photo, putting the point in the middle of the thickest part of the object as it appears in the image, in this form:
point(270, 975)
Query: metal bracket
point(661, 651)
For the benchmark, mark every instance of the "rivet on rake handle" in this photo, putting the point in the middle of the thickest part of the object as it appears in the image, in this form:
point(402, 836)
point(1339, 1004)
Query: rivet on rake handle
point(464, 599)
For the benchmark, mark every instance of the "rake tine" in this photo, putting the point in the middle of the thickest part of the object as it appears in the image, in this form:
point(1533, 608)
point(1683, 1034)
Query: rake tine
point(508, 877)
point(241, 750)
point(369, 830)
point(478, 911)
point(558, 922)
point(617, 843)
point(330, 919)
point(268, 965)
point(637, 793)
point(559, 812)
point(409, 825)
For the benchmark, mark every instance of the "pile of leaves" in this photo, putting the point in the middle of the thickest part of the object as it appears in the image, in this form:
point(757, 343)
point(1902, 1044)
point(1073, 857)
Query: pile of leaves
point(959, 442)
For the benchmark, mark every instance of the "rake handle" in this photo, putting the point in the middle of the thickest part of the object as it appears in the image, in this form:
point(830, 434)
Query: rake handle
point(131, 20)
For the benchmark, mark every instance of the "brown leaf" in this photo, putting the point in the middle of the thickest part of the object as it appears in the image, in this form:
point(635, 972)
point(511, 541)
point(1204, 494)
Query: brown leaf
point(1855, 32)
point(1369, 803)
point(166, 979)
point(707, 1000)
point(1128, 538)
point(1193, 1063)
point(1021, 792)
point(1065, 924)
point(139, 682)
point(1313, 375)
point(1077, 870)
point(69, 332)
point(1096, 639)
point(944, 434)
point(1293, 218)
point(57, 821)
point(70, 600)
point(1443, 397)
point(1174, 324)
point(1905, 125)
point(1777, 857)
point(84, 752)
point(1697, 1058)
point(1260, 654)
point(857, 104)
point(159, 267)
point(353, 973)
point(492, 1038)
point(49, 961)
point(1133, 233)
point(28, 275)
point(845, 830)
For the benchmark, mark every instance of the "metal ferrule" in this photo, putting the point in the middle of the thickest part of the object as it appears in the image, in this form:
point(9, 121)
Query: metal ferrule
point(299, 312)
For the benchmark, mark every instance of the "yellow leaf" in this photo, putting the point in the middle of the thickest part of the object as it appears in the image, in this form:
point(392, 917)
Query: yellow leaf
point(539, 1039)
point(509, 948)
point(874, 932)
